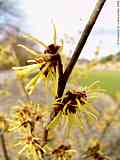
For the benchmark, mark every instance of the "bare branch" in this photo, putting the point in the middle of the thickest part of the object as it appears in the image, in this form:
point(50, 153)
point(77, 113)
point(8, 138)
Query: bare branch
point(60, 73)
point(81, 43)
point(2, 139)
point(63, 77)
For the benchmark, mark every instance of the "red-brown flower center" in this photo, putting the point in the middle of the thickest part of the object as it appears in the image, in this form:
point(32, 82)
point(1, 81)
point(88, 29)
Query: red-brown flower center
point(52, 49)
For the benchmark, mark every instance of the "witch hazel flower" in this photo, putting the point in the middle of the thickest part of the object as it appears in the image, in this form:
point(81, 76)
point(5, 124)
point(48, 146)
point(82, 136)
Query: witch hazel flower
point(43, 66)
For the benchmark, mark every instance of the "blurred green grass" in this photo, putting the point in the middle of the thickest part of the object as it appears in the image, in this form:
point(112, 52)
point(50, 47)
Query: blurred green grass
point(109, 80)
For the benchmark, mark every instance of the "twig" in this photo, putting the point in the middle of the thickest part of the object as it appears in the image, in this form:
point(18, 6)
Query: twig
point(2, 139)
point(86, 32)
point(63, 77)
point(60, 73)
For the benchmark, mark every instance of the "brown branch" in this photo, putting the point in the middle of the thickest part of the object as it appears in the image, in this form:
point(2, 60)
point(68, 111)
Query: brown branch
point(2, 139)
point(60, 73)
point(80, 45)
point(63, 77)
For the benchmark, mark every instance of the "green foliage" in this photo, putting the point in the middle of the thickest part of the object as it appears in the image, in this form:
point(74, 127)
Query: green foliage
point(111, 57)
point(7, 60)
point(110, 80)
point(107, 58)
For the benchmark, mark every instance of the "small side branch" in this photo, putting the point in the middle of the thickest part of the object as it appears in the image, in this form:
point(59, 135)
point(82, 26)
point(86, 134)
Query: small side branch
point(60, 78)
point(2, 139)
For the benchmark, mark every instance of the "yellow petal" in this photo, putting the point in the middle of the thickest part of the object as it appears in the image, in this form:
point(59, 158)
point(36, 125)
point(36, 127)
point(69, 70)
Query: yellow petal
point(55, 121)
point(33, 83)
point(23, 149)
point(31, 51)
point(26, 71)
point(54, 36)
point(38, 42)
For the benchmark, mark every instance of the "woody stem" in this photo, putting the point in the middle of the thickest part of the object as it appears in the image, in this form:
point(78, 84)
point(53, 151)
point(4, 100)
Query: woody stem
point(63, 77)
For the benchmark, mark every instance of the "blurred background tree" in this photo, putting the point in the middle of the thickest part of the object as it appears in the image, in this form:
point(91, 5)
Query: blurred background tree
point(11, 16)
